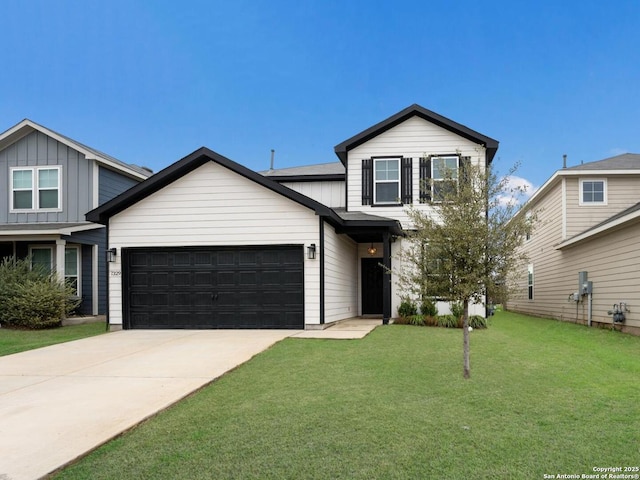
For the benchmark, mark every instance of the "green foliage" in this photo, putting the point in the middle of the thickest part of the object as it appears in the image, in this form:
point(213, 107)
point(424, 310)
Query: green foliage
point(476, 321)
point(448, 321)
point(407, 308)
point(428, 307)
point(31, 298)
point(417, 320)
point(457, 309)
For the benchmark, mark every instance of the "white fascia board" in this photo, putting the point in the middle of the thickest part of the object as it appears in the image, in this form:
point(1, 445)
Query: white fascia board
point(88, 154)
point(49, 232)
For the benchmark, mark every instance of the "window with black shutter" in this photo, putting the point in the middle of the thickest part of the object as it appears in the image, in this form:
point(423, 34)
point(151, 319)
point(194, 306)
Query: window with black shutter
point(367, 181)
point(406, 183)
point(425, 179)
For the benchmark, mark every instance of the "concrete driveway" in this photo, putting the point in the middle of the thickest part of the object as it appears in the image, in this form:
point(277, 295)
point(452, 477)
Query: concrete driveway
point(58, 402)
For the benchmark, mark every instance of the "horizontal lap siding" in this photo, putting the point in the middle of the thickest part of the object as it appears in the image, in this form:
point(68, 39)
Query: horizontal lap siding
point(413, 138)
point(621, 194)
point(612, 262)
point(213, 206)
point(341, 276)
point(330, 194)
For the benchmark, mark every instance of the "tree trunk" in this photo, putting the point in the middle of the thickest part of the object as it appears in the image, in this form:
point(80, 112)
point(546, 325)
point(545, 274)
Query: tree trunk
point(466, 373)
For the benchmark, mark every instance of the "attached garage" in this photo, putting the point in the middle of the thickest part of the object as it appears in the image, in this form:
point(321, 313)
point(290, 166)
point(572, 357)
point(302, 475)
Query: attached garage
point(214, 287)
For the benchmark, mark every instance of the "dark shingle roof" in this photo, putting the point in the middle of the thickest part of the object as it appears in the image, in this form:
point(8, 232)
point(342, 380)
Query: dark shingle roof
point(626, 161)
point(333, 168)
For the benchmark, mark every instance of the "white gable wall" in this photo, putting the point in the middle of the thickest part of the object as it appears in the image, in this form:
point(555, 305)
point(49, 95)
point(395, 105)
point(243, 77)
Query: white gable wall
point(214, 206)
point(414, 138)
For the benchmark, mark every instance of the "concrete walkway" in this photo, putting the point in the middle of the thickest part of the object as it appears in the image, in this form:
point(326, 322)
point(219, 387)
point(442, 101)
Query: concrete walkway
point(59, 402)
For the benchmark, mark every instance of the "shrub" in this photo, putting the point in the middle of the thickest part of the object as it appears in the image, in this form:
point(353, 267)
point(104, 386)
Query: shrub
point(417, 320)
point(457, 309)
point(476, 321)
point(31, 298)
point(448, 321)
point(407, 308)
point(428, 307)
point(431, 321)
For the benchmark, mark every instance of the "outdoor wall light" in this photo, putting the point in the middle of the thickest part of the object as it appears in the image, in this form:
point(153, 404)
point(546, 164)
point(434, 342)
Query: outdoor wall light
point(311, 251)
point(111, 255)
point(372, 250)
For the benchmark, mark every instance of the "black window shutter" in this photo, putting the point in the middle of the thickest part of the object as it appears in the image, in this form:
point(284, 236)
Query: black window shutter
point(367, 181)
point(425, 179)
point(406, 182)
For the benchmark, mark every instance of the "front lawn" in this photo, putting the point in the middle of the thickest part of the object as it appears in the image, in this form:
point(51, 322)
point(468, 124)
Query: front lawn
point(545, 398)
point(14, 341)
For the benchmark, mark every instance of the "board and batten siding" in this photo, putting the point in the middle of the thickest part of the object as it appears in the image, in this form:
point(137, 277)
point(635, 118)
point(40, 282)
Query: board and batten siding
point(38, 149)
point(213, 206)
point(330, 194)
point(621, 194)
point(612, 261)
point(414, 138)
point(112, 184)
point(340, 276)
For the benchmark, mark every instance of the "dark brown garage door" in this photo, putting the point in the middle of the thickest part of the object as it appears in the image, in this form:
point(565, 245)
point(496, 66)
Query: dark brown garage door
point(214, 287)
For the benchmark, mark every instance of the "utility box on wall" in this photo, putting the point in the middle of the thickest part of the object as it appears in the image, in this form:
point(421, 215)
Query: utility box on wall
point(584, 285)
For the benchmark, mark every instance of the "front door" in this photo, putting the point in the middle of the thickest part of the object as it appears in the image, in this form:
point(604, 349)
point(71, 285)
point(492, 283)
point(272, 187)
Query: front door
point(372, 274)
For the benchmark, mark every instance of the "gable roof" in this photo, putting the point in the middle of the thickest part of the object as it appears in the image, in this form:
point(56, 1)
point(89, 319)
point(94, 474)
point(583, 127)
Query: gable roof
point(203, 155)
point(416, 110)
point(26, 126)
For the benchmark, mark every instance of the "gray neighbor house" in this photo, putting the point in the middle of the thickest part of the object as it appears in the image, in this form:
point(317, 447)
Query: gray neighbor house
point(50, 182)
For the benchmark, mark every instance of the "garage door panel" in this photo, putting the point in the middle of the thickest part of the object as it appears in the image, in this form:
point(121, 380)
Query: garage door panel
point(214, 287)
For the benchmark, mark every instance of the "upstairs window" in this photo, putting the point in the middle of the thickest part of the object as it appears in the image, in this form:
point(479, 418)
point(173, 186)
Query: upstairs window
point(444, 175)
point(386, 180)
point(35, 188)
point(593, 192)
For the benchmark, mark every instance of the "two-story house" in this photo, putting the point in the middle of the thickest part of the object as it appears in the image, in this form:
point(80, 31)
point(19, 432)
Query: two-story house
point(587, 222)
point(50, 182)
point(208, 243)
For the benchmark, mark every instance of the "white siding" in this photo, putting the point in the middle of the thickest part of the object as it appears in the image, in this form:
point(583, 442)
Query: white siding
point(215, 206)
point(341, 276)
point(330, 194)
point(413, 138)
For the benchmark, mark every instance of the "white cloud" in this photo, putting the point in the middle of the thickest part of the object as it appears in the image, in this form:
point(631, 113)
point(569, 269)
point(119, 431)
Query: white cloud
point(518, 190)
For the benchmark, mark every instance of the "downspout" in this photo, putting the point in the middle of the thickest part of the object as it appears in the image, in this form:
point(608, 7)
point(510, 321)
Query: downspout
point(107, 273)
point(321, 253)
point(589, 309)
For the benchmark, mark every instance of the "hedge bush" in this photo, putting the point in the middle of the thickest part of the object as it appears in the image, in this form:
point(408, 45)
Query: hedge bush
point(407, 308)
point(32, 298)
point(429, 308)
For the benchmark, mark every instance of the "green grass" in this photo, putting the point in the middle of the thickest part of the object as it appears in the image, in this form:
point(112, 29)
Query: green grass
point(14, 341)
point(545, 397)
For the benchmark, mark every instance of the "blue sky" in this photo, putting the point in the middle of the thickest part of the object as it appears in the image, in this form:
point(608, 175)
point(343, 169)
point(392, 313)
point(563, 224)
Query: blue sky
point(151, 81)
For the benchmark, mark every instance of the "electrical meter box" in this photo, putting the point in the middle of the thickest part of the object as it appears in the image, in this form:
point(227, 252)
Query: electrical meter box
point(584, 285)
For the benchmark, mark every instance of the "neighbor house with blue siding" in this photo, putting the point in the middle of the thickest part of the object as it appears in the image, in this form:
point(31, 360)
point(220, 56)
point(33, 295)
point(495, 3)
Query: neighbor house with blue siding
point(48, 183)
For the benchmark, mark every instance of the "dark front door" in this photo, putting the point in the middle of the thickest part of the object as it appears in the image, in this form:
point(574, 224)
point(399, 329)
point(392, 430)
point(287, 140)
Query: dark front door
point(372, 274)
point(214, 287)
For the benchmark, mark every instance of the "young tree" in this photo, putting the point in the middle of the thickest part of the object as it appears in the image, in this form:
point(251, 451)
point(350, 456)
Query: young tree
point(465, 248)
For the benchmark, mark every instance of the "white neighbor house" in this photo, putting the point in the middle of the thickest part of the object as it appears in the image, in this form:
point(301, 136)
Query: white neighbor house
point(208, 243)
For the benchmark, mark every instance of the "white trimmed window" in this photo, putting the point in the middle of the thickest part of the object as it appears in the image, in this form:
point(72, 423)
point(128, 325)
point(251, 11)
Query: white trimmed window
point(42, 257)
point(35, 188)
point(593, 192)
point(444, 174)
point(72, 268)
point(386, 180)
